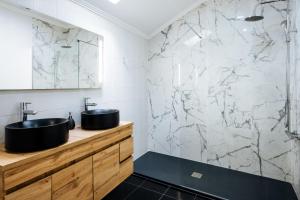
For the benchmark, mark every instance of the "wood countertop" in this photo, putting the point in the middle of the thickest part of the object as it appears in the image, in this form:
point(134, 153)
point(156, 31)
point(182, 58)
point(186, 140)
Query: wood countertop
point(77, 136)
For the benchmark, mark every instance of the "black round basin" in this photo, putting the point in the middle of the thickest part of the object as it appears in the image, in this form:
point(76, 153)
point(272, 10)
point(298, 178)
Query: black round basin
point(100, 119)
point(35, 135)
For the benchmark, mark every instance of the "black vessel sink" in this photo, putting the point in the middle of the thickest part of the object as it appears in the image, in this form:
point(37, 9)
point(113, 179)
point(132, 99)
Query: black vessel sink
point(99, 119)
point(35, 135)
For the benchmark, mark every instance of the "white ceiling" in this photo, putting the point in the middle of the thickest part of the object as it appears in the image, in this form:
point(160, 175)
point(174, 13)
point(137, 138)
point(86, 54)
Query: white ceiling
point(147, 16)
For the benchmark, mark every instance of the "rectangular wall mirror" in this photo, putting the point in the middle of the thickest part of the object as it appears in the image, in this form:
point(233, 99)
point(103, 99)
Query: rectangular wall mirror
point(58, 56)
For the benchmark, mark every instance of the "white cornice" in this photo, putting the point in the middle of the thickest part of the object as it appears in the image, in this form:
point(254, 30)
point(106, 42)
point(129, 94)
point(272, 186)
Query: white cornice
point(181, 14)
point(110, 18)
point(131, 28)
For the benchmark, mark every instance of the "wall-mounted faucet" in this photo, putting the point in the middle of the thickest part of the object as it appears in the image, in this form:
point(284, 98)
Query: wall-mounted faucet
point(87, 104)
point(25, 112)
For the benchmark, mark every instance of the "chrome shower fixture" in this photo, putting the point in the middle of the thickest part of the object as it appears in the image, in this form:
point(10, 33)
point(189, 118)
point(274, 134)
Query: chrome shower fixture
point(66, 46)
point(254, 17)
point(267, 2)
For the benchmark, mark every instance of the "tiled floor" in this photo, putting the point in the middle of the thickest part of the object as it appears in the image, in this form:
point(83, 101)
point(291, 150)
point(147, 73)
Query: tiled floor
point(137, 188)
point(221, 183)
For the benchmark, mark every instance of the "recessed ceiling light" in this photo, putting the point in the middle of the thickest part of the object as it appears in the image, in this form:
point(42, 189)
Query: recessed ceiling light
point(114, 1)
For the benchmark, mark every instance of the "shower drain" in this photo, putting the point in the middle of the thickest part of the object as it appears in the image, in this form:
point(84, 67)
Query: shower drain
point(196, 175)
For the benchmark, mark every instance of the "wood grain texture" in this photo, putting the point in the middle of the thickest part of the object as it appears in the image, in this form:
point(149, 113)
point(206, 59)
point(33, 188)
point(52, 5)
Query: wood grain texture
point(126, 169)
point(74, 182)
point(126, 132)
point(105, 141)
point(40, 190)
point(126, 149)
point(107, 187)
point(18, 175)
point(1, 186)
point(105, 166)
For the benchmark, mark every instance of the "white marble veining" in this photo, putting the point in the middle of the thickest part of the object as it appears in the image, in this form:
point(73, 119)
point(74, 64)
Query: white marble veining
point(217, 88)
point(64, 57)
point(294, 52)
point(88, 73)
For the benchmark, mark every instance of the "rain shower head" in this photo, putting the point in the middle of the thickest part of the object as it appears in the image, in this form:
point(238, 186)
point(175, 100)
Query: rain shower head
point(66, 46)
point(254, 18)
point(267, 2)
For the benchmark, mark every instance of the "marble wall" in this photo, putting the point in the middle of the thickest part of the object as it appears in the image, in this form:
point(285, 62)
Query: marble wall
point(64, 57)
point(294, 74)
point(216, 88)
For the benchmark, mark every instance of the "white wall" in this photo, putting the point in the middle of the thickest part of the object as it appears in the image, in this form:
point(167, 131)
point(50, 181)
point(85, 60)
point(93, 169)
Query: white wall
point(15, 50)
point(123, 84)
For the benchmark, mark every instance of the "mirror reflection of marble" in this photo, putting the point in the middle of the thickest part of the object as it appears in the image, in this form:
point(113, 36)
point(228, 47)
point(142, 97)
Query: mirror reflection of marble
point(65, 57)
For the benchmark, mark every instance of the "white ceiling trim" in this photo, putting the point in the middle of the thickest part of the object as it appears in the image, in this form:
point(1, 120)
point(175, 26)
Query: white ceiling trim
point(180, 15)
point(110, 18)
point(129, 27)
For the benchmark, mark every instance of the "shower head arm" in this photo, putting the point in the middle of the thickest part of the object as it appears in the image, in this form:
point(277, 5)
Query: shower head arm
point(255, 8)
point(255, 17)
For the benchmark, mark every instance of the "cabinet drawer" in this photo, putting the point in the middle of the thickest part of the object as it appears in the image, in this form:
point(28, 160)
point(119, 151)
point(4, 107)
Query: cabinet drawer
point(105, 141)
point(74, 182)
point(40, 190)
point(126, 169)
point(126, 149)
point(105, 170)
point(21, 174)
point(126, 132)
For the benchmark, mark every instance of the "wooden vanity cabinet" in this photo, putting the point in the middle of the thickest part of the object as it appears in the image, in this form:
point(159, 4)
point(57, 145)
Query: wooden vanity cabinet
point(88, 167)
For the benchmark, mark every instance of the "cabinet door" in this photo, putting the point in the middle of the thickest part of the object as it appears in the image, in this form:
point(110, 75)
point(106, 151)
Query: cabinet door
point(106, 171)
point(126, 149)
point(126, 169)
point(40, 190)
point(74, 182)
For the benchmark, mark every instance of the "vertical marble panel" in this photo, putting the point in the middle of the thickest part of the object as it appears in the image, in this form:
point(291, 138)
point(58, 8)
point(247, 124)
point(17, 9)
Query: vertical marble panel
point(217, 89)
point(89, 59)
point(88, 65)
point(294, 75)
point(64, 57)
point(43, 55)
point(55, 56)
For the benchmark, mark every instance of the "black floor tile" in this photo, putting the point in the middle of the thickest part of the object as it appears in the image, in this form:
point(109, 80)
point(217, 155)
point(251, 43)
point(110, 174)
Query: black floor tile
point(143, 194)
point(120, 192)
point(180, 195)
point(167, 198)
point(149, 185)
point(221, 183)
point(202, 198)
point(134, 180)
point(139, 188)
